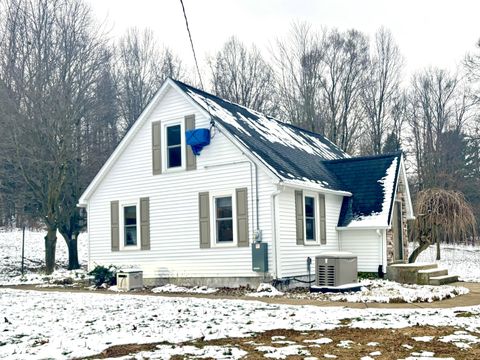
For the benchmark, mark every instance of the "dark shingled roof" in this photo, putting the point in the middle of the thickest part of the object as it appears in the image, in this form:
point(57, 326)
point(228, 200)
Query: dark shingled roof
point(291, 152)
point(296, 154)
point(361, 177)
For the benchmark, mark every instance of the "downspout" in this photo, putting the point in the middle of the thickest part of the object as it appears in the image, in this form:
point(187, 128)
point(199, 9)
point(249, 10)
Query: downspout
point(256, 195)
point(275, 246)
point(88, 236)
point(380, 236)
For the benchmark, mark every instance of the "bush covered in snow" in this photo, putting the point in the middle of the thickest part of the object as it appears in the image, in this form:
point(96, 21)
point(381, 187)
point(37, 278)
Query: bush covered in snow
point(104, 275)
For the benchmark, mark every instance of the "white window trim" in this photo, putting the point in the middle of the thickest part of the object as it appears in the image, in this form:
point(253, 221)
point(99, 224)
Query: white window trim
point(213, 218)
point(123, 204)
point(316, 210)
point(165, 125)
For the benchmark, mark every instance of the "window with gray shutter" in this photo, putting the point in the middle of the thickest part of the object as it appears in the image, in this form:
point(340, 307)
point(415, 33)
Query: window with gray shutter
point(323, 222)
point(114, 226)
point(204, 219)
point(145, 223)
point(191, 158)
point(242, 217)
point(299, 217)
point(156, 148)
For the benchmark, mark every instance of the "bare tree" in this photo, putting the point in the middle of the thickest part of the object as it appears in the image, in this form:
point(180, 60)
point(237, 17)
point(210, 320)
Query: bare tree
point(299, 65)
point(51, 60)
point(346, 63)
point(441, 213)
point(243, 76)
point(142, 67)
point(382, 86)
point(435, 99)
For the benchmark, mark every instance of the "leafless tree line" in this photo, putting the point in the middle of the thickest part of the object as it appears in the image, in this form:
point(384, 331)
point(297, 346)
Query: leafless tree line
point(68, 94)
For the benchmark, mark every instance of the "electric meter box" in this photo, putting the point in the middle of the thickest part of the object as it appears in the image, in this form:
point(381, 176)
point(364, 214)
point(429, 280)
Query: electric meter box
point(260, 257)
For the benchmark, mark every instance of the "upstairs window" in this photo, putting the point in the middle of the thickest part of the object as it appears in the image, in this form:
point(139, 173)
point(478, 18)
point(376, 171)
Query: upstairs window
point(310, 218)
point(174, 146)
point(224, 219)
point(130, 225)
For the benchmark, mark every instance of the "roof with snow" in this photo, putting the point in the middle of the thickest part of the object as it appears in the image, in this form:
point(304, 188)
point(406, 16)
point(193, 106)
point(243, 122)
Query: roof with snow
point(290, 152)
point(372, 180)
point(306, 158)
point(298, 158)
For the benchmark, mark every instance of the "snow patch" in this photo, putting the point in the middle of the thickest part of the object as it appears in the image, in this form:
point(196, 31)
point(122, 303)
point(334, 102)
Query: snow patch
point(323, 340)
point(282, 352)
point(171, 288)
point(265, 290)
point(461, 260)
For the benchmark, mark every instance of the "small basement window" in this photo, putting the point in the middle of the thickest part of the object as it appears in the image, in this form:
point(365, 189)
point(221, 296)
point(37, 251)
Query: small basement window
point(130, 225)
point(224, 220)
point(310, 218)
point(174, 146)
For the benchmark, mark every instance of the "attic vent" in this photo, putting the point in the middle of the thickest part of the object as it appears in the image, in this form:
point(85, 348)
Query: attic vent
point(197, 139)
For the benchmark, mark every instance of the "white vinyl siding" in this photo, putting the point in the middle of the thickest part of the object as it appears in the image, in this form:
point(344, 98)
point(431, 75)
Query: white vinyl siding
point(293, 257)
point(174, 225)
point(367, 245)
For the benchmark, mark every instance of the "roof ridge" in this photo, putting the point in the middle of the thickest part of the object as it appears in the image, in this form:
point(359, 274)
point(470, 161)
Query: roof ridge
point(365, 157)
point(258, 112)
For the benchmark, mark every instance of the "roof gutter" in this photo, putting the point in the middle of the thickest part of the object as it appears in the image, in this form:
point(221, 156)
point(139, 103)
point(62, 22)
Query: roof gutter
point(305, 186)
point(344, 228)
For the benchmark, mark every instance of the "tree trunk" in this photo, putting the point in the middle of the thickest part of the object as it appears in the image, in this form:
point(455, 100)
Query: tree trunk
point(422, 247)
point(72, 252)
point(50, 245)
point(438, 248)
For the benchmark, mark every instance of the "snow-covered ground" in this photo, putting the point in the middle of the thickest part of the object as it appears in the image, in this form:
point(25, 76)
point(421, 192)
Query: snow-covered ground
point(11, 256)
point(66, 325)
point(461, 260)
point(384, 291)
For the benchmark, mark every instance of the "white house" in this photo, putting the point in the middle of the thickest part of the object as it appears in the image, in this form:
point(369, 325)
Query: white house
point(192, 218)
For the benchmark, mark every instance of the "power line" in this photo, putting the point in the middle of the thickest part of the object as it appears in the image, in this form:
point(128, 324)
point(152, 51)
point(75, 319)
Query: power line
point(191, 43)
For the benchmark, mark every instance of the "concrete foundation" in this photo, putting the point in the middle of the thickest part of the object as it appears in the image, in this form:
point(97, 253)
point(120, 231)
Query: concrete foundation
point(214, 282)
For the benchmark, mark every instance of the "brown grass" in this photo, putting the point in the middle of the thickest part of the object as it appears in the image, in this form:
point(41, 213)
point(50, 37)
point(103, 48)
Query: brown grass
point(390, 343)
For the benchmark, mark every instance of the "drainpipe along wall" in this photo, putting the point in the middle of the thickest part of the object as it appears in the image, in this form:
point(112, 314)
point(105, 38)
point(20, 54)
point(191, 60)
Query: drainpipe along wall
point(275, 247)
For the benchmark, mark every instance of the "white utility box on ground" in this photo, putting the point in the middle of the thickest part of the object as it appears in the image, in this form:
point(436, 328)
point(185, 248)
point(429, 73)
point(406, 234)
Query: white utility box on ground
point(129, 279)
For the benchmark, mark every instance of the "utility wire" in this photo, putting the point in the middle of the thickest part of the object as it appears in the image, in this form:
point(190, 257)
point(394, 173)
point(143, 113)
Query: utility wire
point(191, 43)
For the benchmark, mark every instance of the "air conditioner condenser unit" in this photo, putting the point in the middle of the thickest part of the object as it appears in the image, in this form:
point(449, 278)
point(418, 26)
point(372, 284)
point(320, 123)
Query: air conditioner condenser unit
point(335, 269)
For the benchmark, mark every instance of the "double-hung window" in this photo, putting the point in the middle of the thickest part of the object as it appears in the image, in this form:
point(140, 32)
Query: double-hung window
point(310, 219)
point(224, 233)
point(130, 229)
point(174, 146)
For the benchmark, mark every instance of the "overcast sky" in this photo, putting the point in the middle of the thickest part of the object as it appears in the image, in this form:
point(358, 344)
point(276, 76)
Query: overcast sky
point(428, 32)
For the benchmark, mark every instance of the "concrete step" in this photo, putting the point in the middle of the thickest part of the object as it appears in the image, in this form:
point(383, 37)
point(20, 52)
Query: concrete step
point(407, 273)
point(424, 276)
point(443, 279)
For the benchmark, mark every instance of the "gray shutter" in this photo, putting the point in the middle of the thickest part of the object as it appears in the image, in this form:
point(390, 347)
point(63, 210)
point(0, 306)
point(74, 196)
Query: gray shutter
point(145, 223)
point(191, 158)
point(242, 217)
point(299, 217)
point(323, 222)
point(156, 148)
point(115, 226)
point(204, 219)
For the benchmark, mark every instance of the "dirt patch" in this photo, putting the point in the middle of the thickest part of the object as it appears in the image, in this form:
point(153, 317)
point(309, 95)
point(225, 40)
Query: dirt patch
point(346, 343)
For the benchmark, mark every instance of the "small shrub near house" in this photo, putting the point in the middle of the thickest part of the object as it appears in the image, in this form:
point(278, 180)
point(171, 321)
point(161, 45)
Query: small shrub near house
point(104, 275)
